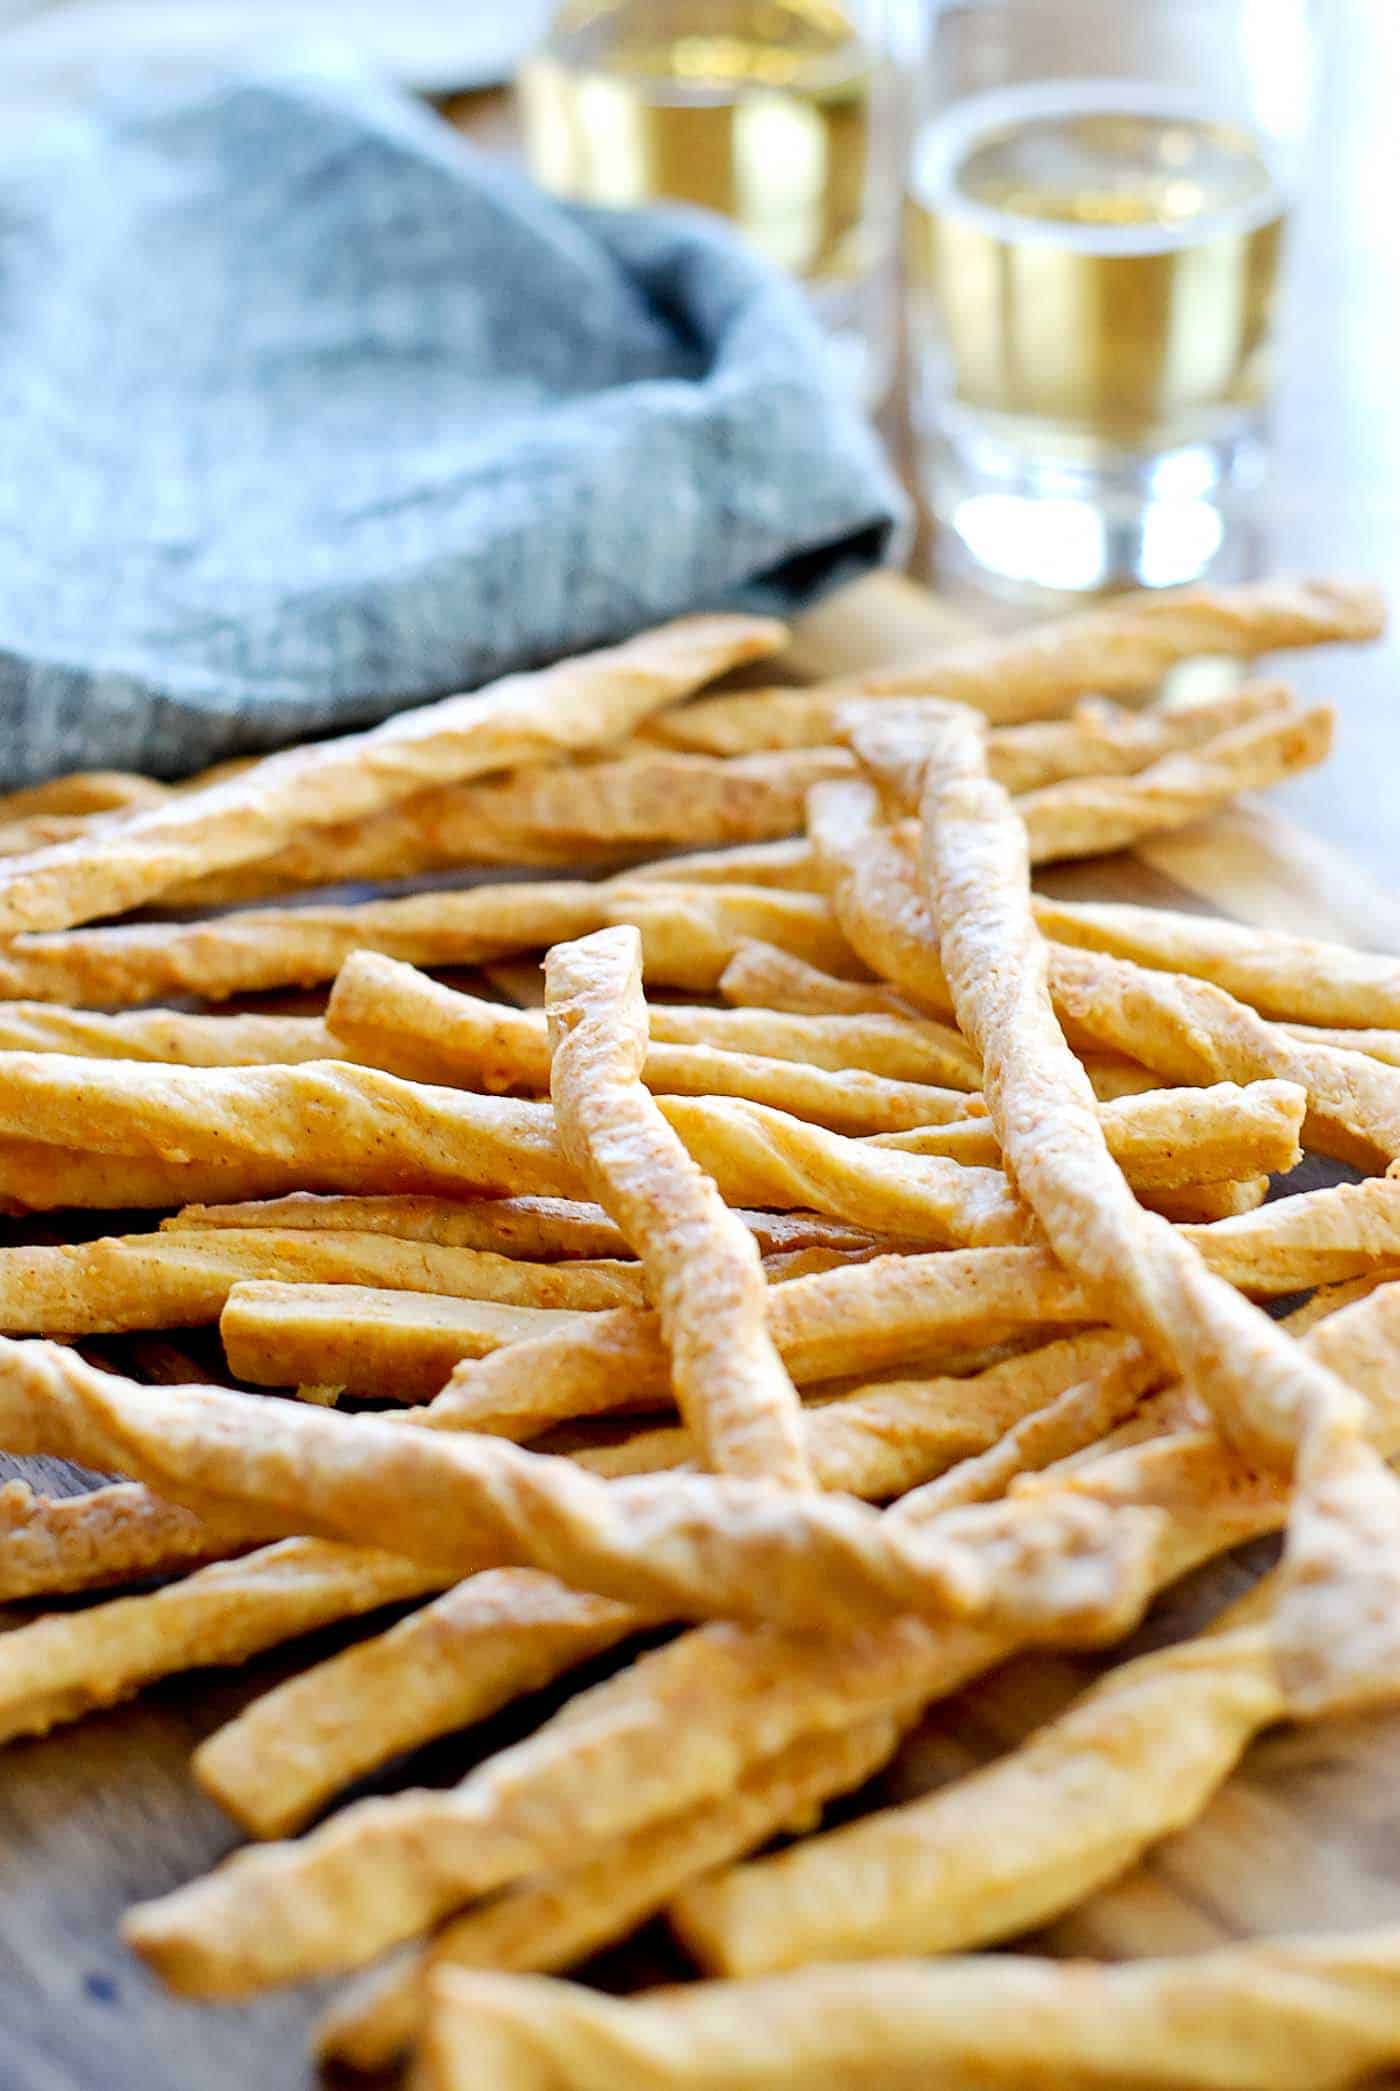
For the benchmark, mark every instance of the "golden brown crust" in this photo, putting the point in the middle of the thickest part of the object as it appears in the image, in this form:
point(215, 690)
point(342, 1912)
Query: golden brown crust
point(387, 1346)
point(561, 1917)
point(689, 934)
point(166, 1035)
point(649, 799)
point(669, 1542)
point(1161, 1139)
point(1097, 739)
point(56, 1544)
point(481, 1644)
point(1011, 1846)
point(179, 1280)
point(582, 703)
point(66, 1664)
point(898, 1307)
point(1284, 2015)
point(396, 1018)
point(543, 1229)
point(702, 1265)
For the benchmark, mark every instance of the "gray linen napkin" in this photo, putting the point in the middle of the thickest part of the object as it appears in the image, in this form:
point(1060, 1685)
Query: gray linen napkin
point(308, 412)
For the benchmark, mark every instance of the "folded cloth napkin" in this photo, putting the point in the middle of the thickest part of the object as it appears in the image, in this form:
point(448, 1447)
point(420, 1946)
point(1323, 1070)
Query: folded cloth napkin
point(311, 412)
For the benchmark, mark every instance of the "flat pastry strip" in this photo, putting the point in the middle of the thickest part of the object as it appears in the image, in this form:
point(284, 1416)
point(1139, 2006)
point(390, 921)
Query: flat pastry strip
point(1282, 2015)
point(361, 1129)
point(66, 1664)
point(543, 1229)
point(387, 1346)
point(475, 1648)
point(582, 703)
point(180, 1280)
point(672, 1541)
point(649, 798)
point(1162, 1139)
point(701, 1264)
point(289, 1752)
point(1188, 1029)
point(166, 1034)
point(880, 1314)
point(1301, 979)
point(683, 1724)
point(1087, 816)
point(1096, 739)
point(53, 1545)
point(562, 1917)
point(397, 1018)
point(689, 934)
point(1011, 1846)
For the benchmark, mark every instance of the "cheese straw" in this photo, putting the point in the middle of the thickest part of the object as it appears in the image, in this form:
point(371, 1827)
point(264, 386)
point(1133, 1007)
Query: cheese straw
point(581, 703)
point(1119, 650)
point(178, 1280)
point(701, 1264)
point(897, 1307)
point(544, 1229)
point(1097, 739)
point(70, 1663)
point(395, 1017)
point(1160, 1139)
point(387, 1346)
point(166, 1034)
point(1296, 978)
point(649, 798)
point(1009, 1847)
point(1188, 1029)
point(293, 1748)
point(1266, 1393)
point(689, 932)
point(562, 1917)
point(1310, 2014)
point(682, 1724)
point(671, 1541)
point(376, 1132)
point(82, 792)
point(56, 1544)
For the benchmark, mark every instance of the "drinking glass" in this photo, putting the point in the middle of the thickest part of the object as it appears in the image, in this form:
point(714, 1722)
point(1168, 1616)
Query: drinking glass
point(772, 112)
point(1095, 217)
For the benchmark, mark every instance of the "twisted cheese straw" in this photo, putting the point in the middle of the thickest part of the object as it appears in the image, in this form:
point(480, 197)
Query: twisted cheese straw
point(1280, 2015)
point(582, 703)
point(690, 934)
point(701, 1264)
point(683, 1724)
point(669, 1541)
point(650, 798)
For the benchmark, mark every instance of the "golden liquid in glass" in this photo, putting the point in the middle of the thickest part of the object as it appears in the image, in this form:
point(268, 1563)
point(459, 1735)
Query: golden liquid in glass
point(757, 109)
point(1096, 262)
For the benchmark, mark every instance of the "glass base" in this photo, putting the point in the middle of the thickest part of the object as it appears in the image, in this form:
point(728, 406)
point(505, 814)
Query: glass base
point(1031, 516)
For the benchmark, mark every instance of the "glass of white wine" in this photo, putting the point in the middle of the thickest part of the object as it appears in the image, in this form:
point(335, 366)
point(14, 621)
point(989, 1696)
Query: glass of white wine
point(772, 112)
point(1095, 219)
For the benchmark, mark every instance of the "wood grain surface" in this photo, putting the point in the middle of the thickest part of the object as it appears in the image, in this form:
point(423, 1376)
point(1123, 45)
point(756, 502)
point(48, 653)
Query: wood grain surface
point(104, 1813)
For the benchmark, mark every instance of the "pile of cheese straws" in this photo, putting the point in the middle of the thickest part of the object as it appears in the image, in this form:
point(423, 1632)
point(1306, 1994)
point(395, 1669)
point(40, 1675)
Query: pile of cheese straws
point(917, 1122)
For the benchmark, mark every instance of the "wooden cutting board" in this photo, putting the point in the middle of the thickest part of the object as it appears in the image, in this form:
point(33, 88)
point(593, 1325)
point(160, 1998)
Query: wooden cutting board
point(1307, 1835)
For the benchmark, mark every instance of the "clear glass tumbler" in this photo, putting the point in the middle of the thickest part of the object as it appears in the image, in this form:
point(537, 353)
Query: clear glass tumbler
point(1095, 215)
point(772, 112)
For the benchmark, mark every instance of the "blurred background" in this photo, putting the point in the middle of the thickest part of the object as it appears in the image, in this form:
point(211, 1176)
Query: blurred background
point(1105, 343)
